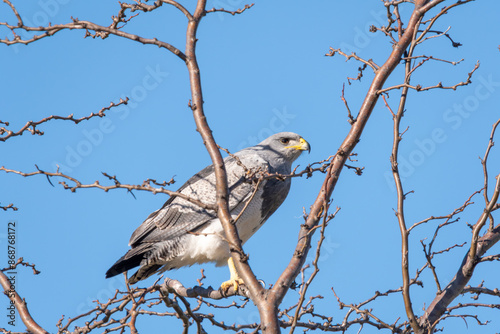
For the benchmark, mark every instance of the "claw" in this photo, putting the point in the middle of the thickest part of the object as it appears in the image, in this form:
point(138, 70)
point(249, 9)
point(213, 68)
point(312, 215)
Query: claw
point(235, 281)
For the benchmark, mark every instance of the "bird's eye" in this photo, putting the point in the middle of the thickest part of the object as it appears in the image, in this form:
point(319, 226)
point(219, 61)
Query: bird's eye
point(285, 141)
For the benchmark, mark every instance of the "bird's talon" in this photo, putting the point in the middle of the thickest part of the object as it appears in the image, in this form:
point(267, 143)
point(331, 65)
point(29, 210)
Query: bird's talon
point(235, 283)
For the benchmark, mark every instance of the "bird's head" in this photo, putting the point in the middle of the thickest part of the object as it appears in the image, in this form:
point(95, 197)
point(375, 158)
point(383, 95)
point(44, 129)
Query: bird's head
point(287, 144)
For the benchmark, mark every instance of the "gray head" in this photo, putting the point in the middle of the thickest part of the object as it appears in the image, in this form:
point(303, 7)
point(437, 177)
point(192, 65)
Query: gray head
point(288, 145)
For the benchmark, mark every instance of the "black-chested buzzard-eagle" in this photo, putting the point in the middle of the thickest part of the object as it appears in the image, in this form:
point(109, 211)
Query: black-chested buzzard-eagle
point(182, 233)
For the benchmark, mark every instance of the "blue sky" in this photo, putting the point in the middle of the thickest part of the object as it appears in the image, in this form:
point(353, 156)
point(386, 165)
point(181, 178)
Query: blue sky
point(262, 72)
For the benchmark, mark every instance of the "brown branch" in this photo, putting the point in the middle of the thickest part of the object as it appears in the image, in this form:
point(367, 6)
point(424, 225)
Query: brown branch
point(293, 269)
point(31, 125)
point(479, 246)
point(267, 312)
point(448, 249)
point(436, 59)
point(490, 258)
point(21, 262)
point(308, 171)
point(447, 217)
point(99, 31)
point(174, 286)
point(360, 74)
point(128, 306)
point(10, 206)
point(439, 305)
point(367, 313)
point(482, 220)
point(179, 7)
point(456, 307)
point(180, 312)
point(305, 286)
point(428, 257)
point(351, 119)
point(257, 177)
point(357, 170)
point(440, 34)
point(400, 28)
point(419, 88)
point(480, 290)
point(368, 62)
point(234, 328)
point(397, 136)
point(19, 302)
point(145, 186)
point(234, 12)
point(464, 317)
point(388, 106)
point(437, 16)
point(416, 326)
point(102, 314)
point(484, 161)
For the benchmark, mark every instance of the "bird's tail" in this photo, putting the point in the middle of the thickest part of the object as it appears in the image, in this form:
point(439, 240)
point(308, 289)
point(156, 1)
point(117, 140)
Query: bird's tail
point(131, 259)
point(143, 273)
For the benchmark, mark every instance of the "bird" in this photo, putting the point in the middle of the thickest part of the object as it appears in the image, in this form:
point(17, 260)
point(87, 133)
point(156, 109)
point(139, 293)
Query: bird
point(182, 233)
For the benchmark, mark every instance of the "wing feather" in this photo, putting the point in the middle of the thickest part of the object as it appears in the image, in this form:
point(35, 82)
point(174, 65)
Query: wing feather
point(179, 216)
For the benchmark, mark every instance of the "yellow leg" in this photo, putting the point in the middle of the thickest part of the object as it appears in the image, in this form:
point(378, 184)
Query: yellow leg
point(235, 280)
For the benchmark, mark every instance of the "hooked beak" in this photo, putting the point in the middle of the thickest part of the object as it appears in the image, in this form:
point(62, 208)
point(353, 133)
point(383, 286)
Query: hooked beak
point(303, 146)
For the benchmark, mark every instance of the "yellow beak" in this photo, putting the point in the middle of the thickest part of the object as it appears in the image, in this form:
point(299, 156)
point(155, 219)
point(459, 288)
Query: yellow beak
point(303, 146)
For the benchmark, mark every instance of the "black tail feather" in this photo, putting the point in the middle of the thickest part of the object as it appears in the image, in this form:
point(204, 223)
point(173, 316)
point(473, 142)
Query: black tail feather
point(131, 259)
point(123, 265)
point(143, 273)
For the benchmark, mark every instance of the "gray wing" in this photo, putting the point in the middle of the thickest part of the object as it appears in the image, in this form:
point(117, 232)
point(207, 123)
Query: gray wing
point(274, 194)
point(179, 216)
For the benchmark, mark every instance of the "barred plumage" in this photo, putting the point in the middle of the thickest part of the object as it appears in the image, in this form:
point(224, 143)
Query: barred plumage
point(182, 233)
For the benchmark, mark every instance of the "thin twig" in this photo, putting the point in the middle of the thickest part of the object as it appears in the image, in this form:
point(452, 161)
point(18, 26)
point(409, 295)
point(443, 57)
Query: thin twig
point(31, 125)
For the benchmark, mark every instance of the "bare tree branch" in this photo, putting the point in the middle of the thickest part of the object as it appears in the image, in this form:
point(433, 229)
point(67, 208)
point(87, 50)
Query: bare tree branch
point(480, 290)
point(171, 285)
point(279, 289)
point(19, 302)
point(99, 30)
point(9, 206)
point(482, 220)
point(484, 161)
point(439, 305)
point(234, 12)
point(305, 286)
point(419, 88)
point(31, 125)
point(447, 217)
point(129, 305)
point(368, 62)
